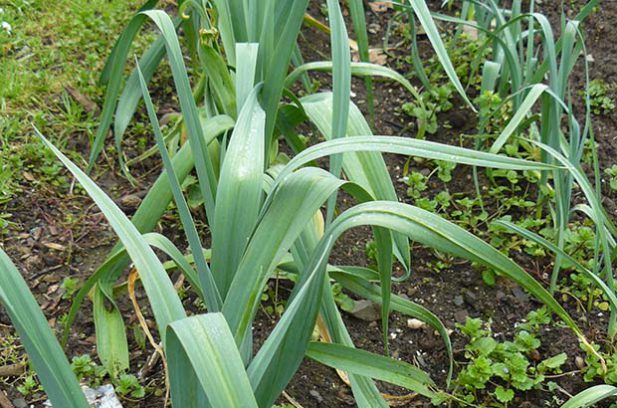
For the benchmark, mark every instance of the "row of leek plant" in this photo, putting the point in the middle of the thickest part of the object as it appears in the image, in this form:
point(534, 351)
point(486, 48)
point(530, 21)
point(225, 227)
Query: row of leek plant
point(266, 43)
point(530, 66)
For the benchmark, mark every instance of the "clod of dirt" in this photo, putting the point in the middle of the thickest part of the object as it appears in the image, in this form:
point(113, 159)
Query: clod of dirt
point(461, 315)
point(366, 310)
point(470, 298)
point(429, 341)
point(130, 202)
point(51, 260)
point(520, 295)
point(457, 119)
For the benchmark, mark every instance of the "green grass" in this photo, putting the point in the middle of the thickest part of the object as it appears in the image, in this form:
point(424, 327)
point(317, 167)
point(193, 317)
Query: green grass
point(52, 45)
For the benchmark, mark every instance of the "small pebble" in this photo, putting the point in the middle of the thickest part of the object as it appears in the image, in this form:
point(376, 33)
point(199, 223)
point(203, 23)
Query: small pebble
point(580, 363)
point(20, 403)
point(415, 324)
point(315, 394)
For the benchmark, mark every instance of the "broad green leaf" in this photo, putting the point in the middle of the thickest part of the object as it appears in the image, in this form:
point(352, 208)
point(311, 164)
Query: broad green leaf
point(372, 365)
point(365, 168)
point(46, 355)
point(341, 72)
point(435, 232)
point(107, 72)
point(240, 192)
point(410, 147)
point(341, 85)
point(228, 24)
point(535, 92)
point(208, 285)
point(113, 74)
point(131, 93)
point(357, 280)
point(424, 16)
point(213, 362)
point(165, 303)
point(361, 69)
point(356, 9)
point(203, 163)
point(288, 18)
point(180, 261)
point(111, 343)
point(590, 396)
point(289, 210)
point(219, 79)
point(245, 72)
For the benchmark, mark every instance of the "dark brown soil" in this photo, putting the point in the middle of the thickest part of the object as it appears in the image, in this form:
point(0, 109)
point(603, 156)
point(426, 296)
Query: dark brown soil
point(80, 240)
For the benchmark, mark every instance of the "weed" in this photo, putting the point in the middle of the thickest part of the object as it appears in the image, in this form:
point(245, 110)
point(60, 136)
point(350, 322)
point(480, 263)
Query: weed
point(29, 386)
point(417, 184)
point(500, 368)
point(593, 368)
point(87, 371)
point(70, 286)
point(128, 385)
point(345, 302)
point(601, 102)
point(611, 172)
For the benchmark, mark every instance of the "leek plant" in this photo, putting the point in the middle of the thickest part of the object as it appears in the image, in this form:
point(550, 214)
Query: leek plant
point(207, 359)
point(264, 216)
point(230, 33)
point(530, 65)
point(590, 396)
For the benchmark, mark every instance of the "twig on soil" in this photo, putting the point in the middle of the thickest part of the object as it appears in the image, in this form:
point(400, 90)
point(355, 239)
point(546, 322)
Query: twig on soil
point(150, 364)
point(564, 391)
point(12, 370)
point(291, 400)
point(563, 374)
point(133, 274)
point(4, 401)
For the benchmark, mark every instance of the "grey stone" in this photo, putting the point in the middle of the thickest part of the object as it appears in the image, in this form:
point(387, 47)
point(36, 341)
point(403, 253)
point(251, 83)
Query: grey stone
point(20, 403)
point(520, 295)
point(315, 394)
point(366, 310)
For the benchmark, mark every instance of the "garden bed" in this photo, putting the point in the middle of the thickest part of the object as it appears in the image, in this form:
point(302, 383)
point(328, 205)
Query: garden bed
point(57, 233)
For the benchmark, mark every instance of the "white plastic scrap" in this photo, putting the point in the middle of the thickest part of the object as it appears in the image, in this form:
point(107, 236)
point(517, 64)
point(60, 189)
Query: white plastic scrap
point(102, 397)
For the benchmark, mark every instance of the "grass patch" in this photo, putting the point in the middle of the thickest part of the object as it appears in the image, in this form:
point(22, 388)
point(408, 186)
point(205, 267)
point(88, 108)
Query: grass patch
point(49, 64)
